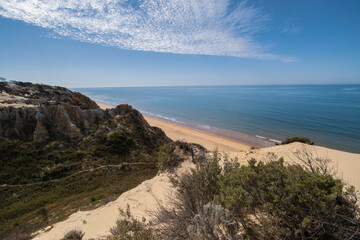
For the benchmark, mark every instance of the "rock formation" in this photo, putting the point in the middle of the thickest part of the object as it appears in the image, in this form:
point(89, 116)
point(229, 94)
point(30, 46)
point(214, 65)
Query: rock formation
point(39, 113)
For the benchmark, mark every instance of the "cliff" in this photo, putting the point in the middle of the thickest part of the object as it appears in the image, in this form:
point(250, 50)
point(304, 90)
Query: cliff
point(60, 152)
point(41, 113)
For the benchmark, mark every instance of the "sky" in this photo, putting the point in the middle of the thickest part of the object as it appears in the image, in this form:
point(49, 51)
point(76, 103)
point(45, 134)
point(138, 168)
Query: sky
point(114, 43)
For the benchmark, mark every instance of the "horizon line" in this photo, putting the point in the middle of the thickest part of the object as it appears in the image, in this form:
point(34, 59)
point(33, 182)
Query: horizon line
point(222, 85)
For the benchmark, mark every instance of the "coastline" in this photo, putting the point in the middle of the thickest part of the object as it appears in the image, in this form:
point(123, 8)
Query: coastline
point(345, 163)
point(182, 133)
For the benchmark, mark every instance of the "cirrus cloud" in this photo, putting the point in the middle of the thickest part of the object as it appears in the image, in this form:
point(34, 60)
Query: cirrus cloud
point(210, 27)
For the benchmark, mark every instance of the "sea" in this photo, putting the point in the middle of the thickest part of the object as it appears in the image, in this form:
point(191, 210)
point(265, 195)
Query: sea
point(327, 114)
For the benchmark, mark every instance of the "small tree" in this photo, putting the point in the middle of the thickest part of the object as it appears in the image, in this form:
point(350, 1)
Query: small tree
point(2, 79)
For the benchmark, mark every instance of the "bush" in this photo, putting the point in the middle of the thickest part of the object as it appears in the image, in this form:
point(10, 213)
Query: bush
point(170, 155)
point(259, 201)
point(130, 228)
point(297, 139)
point(74, 235)
point(195, 190)
point(274, 201)
point(213, 222)
point(166, 156)
point(119, 143)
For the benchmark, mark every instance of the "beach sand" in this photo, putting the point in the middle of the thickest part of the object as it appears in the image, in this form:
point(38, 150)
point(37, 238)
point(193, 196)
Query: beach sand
point(103, 106)
point(210, 142)
point(144, 198)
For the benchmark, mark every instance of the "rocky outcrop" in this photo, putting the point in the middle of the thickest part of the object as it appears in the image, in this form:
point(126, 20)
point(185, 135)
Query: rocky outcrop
point(34, 112)
point(22, 94)
point(45, 122)
point(40, 113)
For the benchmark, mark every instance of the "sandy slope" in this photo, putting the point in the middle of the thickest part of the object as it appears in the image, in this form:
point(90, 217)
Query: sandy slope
point(96, 223)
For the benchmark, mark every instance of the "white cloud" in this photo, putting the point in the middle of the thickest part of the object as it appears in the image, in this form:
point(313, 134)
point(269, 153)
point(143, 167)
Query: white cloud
point(210, 27)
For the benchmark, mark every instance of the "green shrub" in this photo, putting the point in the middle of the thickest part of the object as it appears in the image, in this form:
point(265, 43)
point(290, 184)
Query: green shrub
point(195, 190)
point(274, 201)
point(259, 201)
point(130, 228)
point(170, 155)
point(297, 139)
point(119, 143)
point(166, 156)
point(74, 235)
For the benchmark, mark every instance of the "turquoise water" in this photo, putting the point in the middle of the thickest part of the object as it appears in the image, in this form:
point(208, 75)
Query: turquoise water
point(327, 114)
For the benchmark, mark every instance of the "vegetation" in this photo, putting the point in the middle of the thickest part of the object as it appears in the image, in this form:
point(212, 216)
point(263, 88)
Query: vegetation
point(44, 183)
point(18, 233)
point(119, 143)
point(297, 139)
point(259, 201)
point(74, 235)
point(169, 157)
point(130, 228)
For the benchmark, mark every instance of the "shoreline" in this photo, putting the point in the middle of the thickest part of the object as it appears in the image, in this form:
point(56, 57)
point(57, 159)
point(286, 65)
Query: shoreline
point(209, 140)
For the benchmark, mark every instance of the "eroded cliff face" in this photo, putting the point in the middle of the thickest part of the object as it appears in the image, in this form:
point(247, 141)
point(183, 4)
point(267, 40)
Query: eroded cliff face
point(41, 113)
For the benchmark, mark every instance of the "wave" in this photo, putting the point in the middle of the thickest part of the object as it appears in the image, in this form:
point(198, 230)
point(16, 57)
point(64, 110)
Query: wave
point(204, 126)
point(274, 140)
point(161, 117)
point(260, 137)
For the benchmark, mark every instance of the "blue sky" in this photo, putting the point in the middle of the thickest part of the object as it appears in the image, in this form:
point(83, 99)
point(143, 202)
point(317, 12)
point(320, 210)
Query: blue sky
point(94, 43)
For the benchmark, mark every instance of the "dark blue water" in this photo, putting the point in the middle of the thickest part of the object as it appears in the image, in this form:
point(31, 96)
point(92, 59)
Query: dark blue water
point(327, 114)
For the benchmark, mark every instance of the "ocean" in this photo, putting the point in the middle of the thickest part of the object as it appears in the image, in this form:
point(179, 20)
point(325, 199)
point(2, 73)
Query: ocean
point(327, 114)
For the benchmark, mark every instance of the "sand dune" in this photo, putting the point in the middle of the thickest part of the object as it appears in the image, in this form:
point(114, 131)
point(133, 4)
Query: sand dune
point(96, 223)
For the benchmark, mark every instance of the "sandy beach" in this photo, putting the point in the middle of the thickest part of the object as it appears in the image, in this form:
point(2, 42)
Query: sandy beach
point(210, 142)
